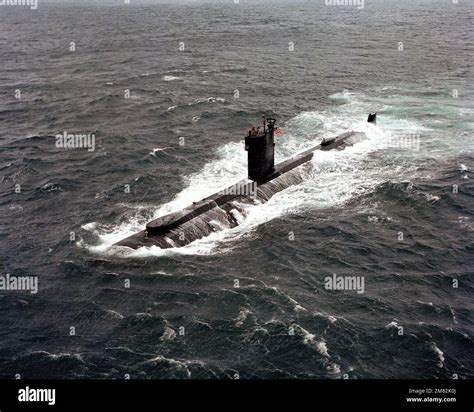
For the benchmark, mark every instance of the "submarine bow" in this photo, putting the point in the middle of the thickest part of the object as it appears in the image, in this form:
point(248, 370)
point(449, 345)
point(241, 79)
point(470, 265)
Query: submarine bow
point(226, 208)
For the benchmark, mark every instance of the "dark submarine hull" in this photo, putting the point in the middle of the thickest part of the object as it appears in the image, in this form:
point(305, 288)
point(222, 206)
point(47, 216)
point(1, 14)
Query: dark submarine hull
point(226, 208)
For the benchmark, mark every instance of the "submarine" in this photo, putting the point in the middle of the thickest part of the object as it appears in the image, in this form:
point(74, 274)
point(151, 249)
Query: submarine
point(226, 208)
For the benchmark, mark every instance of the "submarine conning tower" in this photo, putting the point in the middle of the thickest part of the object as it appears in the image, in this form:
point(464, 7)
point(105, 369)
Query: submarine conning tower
point(261, 150)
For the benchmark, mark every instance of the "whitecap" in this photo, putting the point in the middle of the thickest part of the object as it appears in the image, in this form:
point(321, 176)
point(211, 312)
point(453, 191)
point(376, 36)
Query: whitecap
point(158, 149)
point(243, 314)
point(169, 78)
point(439, 353)
point(392, 324)
point(310, 340)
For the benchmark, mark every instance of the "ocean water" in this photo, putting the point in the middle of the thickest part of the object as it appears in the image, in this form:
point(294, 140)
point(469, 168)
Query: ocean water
point(396, 209)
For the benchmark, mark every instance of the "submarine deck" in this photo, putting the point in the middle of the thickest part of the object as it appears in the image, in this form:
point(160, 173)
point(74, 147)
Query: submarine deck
point(155, 229)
